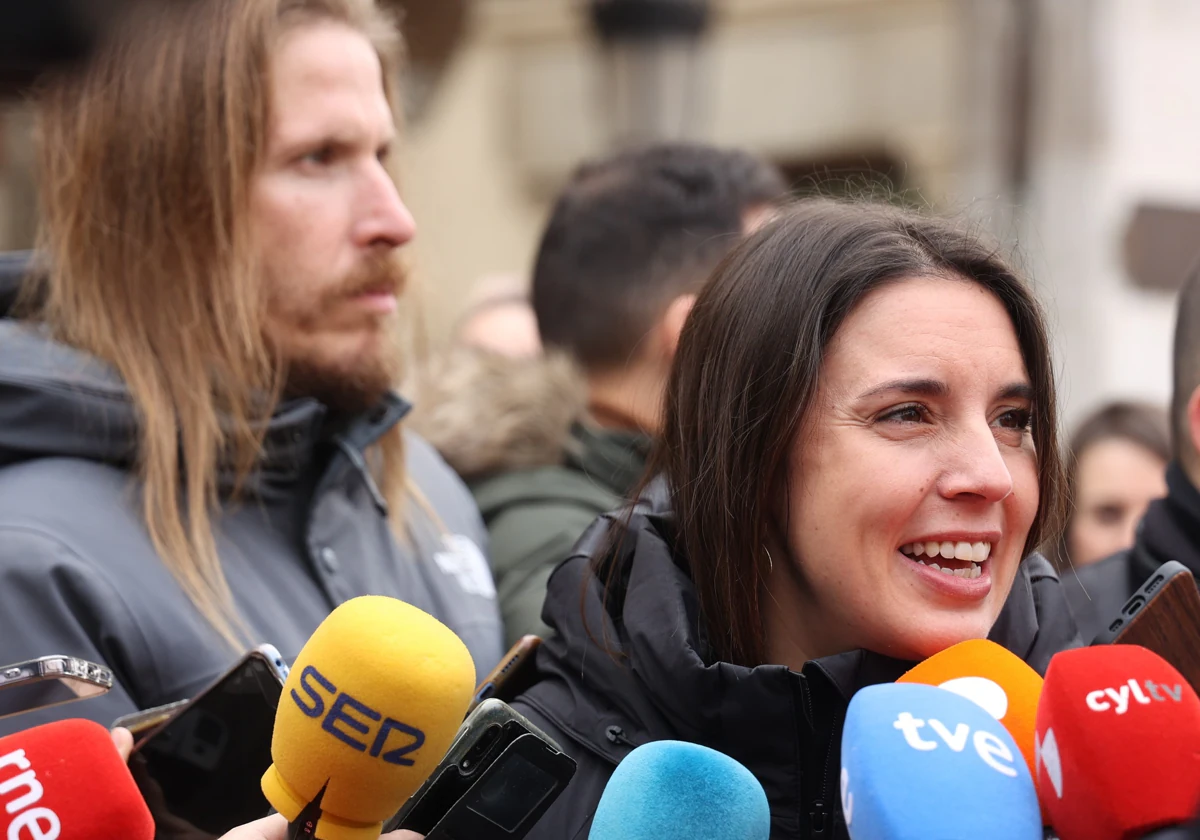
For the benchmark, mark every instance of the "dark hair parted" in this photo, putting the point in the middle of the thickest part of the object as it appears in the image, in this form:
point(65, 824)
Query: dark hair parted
point(631, 232)
point(746, 374)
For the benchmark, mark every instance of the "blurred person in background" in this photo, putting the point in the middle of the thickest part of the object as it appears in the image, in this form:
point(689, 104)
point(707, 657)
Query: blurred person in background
point(1116, 465)
point(549, 445)
point(832, 498)
point(1170, 529)
point(499, 318)
point(200, 447)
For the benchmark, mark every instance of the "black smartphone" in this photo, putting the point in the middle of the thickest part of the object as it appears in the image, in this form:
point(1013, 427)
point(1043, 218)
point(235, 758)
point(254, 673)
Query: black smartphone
point(1163, 616)
point(199, 771)
point(496, 781)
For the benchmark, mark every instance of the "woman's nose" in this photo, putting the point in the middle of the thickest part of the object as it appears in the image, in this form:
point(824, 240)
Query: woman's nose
point(976, 468)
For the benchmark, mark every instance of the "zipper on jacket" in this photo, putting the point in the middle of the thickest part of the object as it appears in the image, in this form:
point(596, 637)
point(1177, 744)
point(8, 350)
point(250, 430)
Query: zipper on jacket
point(819, 817)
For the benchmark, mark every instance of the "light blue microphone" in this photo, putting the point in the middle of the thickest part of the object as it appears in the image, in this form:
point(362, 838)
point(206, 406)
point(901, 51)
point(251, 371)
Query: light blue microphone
point(672, 790)
point(923, 763)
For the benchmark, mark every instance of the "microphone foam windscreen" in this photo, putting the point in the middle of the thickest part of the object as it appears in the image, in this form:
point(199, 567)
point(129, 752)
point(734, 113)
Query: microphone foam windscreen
point(672, 790)
point(1118, 743)
point(993, 677)
point(920, 762)
point(66, 780)
point(369, 709)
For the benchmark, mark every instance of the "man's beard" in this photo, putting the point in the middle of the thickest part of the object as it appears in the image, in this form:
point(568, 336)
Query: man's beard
point(346, 389)
point(353, 385)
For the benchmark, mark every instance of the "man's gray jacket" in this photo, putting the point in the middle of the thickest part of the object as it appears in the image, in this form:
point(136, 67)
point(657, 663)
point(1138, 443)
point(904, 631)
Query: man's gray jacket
point(79, 576)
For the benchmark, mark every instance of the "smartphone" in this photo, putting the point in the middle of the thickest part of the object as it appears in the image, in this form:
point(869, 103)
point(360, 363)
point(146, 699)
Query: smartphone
point(50, 681)
point(496, 781)
point(139, 723)
point(515, 672)
point(199, 770)
point(1163, 616)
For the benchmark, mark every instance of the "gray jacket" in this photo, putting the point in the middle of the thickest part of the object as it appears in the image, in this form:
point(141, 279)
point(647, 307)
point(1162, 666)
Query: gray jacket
point(78, 574)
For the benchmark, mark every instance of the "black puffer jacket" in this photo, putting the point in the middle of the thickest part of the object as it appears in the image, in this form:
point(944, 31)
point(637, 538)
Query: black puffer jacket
point(1170, 530)
point(785, 727)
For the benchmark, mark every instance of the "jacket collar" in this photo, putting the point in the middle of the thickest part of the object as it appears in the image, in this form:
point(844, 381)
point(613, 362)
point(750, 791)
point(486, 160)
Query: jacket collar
point(1170, 529)
point(614, 458)
point(662, 681)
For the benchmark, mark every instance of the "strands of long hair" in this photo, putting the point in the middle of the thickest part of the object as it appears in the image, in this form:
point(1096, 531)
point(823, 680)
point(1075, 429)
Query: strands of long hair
point(145, 164)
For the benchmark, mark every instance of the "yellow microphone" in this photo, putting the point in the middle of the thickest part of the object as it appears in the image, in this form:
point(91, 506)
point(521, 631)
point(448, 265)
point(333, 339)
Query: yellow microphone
point(369, 709)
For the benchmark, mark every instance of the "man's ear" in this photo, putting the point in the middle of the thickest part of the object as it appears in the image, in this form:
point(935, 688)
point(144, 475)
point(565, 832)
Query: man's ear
point(670, 326)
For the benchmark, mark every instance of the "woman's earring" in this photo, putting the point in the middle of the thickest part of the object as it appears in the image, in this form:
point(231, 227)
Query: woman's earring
point(770, 562)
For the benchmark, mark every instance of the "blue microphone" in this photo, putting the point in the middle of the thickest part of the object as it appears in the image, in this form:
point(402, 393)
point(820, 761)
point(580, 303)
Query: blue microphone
point(672, 790)
point(923, 763)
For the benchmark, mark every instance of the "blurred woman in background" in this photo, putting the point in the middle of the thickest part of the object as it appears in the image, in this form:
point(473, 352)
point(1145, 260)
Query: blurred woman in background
point(858, 456)
point(1116, 466)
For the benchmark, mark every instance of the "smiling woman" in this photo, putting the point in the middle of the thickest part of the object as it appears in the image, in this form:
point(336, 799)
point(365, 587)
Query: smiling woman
point(858, 457)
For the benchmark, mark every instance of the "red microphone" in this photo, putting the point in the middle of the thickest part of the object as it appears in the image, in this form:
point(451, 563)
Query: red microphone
point(66, 781)
point(1118, 744)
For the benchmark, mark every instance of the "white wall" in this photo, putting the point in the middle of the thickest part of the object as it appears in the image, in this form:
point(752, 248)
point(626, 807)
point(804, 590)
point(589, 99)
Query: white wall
point(1119, 123)
point(791, 79)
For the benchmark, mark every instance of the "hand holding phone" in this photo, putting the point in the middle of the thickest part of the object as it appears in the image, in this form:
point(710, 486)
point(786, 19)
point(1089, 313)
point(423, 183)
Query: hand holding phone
point(199, 769)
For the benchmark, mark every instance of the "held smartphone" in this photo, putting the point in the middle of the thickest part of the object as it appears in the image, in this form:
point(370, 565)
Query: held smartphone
point(496, 781)
point(199, 770)
point(1163, 616)
point(50, 681)
point(512, 675)
point(139, 723)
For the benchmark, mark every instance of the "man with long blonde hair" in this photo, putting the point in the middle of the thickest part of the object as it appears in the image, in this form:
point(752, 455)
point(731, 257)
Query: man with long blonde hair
point(200, 449)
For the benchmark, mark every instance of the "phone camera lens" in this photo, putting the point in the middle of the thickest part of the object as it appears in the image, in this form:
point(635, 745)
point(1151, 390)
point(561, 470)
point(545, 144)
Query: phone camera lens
point(481, 747)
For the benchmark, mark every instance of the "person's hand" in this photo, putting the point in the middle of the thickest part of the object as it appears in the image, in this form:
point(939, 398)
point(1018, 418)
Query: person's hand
point(123, 741)
point(274, 827)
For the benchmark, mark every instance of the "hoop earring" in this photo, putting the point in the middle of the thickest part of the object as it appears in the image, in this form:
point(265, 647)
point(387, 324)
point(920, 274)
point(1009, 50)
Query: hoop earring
point(770, 562)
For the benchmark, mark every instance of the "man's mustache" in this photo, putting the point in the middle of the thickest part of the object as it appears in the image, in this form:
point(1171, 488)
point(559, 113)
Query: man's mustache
point(380, 275)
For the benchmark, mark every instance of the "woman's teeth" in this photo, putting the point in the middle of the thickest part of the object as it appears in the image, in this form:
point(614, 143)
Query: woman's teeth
point(973, 553)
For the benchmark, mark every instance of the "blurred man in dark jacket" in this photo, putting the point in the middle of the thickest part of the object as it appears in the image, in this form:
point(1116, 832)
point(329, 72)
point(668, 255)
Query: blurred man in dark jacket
point(547, 450)
point(1171, 528)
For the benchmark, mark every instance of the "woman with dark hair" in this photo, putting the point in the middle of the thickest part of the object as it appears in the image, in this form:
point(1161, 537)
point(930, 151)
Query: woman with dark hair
point(858, 457)
point(1116, 466)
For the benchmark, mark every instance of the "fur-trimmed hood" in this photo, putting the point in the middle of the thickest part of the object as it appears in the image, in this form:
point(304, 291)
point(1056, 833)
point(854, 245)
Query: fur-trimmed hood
point(487, 413)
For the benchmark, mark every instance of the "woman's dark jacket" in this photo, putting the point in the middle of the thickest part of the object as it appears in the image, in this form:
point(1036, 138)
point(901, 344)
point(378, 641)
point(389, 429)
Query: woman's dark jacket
point(785, 727)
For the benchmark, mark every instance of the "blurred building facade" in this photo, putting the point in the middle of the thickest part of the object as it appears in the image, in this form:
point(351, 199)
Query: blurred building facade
point(1046, 121)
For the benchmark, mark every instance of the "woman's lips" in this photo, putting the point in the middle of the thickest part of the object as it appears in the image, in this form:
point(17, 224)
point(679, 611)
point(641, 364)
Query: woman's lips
point(946, 583)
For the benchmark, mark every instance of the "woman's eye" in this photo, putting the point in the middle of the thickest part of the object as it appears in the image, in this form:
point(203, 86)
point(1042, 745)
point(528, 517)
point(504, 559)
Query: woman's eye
point(1018, 418)
point(905, 414)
